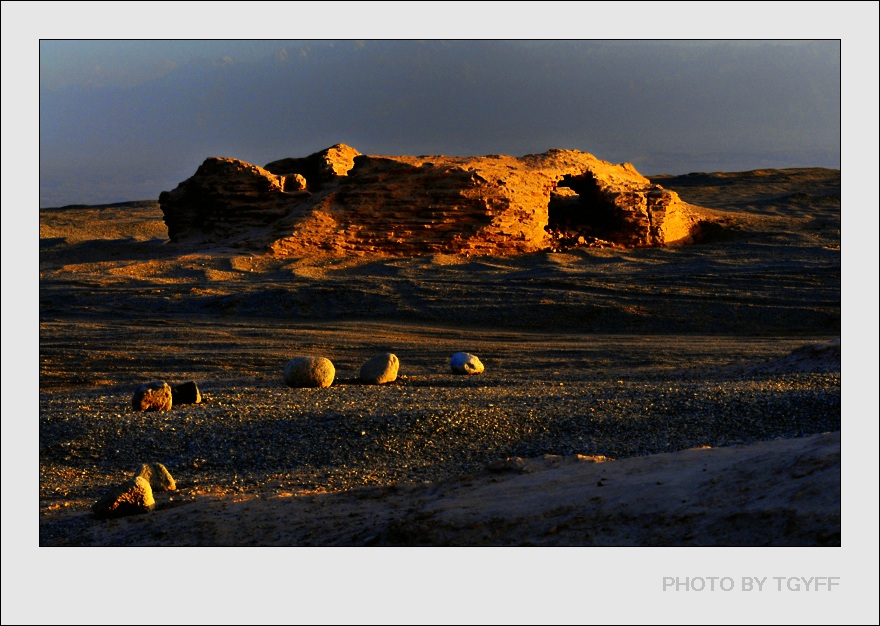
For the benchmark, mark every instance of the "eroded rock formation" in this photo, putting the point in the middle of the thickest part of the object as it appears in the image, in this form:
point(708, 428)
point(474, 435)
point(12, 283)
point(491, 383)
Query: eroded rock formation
point(339, 201)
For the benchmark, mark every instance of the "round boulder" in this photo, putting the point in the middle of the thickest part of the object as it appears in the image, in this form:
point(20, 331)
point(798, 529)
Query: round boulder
point(309, 371)
point(155, 396)
point(464, 363)
point(380, 369)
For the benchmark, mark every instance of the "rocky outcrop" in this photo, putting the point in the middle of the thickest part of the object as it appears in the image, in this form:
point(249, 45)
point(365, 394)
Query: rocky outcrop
point(228, 201)
point(339, 201)
point(319, 170)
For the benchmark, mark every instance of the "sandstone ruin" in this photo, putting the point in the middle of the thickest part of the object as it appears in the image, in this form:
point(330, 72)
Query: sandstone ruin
point(339, 202)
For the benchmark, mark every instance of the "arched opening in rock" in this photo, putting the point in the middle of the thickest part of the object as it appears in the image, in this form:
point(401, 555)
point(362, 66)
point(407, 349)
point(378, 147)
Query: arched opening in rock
point(579, 214)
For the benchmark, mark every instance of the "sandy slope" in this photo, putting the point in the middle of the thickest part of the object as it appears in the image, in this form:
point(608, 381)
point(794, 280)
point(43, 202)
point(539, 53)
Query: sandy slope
point(781, 493)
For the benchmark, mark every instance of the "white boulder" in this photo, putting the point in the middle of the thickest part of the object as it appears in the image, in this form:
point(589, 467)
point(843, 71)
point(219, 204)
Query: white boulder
point(465, 363)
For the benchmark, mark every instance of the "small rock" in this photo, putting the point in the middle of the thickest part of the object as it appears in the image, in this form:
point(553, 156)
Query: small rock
point(309, 371)
point(186, 393)
point(158, 476)
point(154, 396)
point(592, 458)
point(510, 464)
point(380, 369)
point(133, 497)
point(464, 363)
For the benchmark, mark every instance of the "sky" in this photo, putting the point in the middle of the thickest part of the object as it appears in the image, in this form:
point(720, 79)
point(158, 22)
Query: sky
point(125, 120)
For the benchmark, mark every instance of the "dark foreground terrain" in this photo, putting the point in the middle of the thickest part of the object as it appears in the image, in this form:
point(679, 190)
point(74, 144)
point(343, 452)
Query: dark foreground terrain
point(731, 344)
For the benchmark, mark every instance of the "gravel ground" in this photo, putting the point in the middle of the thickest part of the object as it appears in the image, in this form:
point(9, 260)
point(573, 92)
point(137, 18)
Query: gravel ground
point(255, 435)
point(418, 428)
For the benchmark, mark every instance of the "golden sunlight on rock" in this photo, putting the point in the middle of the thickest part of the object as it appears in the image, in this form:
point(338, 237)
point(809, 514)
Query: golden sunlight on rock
point(338, 202)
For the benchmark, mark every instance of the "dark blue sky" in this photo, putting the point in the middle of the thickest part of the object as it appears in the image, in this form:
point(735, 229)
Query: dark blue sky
point(123, 120)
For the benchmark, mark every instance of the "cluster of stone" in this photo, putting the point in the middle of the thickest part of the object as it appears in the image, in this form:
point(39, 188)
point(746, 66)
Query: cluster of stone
point(160, 396)
point(135, 496)
point(318, 371)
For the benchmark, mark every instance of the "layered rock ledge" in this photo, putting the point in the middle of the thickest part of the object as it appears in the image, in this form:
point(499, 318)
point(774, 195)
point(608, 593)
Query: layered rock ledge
point(339, 202)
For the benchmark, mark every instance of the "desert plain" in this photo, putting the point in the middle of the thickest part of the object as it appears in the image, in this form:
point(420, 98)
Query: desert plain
point(683, 395)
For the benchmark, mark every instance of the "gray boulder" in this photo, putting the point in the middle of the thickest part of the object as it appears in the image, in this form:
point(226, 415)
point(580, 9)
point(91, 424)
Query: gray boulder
point(380, 369)
point(464, 363)
point(154, 396)
point(135, 496)
point(309, 371)
point(158, 476)
point(186, 393)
